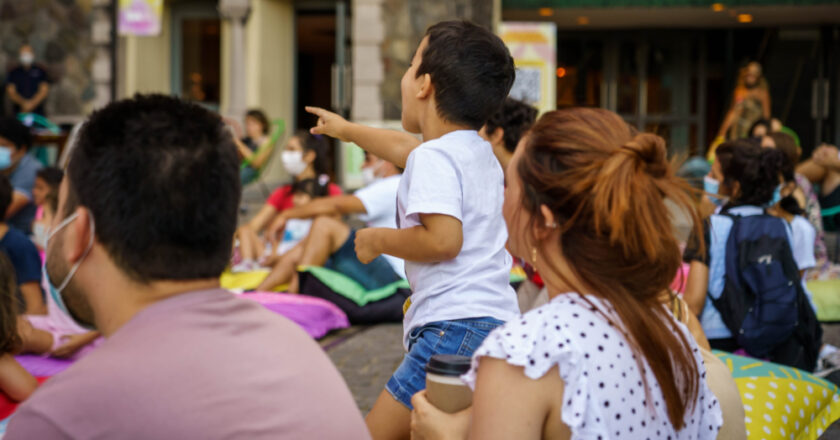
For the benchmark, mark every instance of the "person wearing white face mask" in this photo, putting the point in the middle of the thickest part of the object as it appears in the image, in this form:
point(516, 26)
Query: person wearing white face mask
point(304, 157)
point(28, 84)
point(330, 241)
point(145, 273)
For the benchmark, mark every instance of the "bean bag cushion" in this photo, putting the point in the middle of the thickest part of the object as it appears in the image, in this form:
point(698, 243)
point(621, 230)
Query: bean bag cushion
point(361, 306)
point(826, 295)
point(781, 402)
point(243, 280)
point(315, 315)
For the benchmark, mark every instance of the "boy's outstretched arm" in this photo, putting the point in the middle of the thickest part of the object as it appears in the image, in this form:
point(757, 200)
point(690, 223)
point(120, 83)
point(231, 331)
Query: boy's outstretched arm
point(391, 145)
point(438, 238)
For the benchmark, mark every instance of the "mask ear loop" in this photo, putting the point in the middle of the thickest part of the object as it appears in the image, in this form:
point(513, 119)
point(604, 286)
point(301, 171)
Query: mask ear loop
point(79, 263)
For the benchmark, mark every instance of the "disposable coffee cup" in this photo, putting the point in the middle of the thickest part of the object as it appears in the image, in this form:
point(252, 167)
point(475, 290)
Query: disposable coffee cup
point(444, 387)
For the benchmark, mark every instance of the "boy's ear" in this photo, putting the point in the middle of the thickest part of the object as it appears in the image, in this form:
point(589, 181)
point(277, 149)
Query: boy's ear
point(426, 87)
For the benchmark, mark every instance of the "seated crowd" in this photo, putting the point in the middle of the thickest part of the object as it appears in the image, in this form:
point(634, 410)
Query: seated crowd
point(116, 261)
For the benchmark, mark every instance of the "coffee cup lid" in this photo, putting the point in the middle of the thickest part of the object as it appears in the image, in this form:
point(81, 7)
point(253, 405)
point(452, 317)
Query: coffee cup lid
point(448, 364)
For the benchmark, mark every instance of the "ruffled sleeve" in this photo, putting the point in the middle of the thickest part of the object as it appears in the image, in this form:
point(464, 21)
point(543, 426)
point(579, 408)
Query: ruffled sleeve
point(537, 345)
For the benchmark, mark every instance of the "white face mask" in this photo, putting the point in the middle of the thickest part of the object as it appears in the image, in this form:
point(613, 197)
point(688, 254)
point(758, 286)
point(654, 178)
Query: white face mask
point(27, 58)
point(39, 235)
point(53, 290)
point(369, 173)
point(293, 162)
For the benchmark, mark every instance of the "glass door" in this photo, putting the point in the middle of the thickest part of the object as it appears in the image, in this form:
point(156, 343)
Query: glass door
point(655, 82)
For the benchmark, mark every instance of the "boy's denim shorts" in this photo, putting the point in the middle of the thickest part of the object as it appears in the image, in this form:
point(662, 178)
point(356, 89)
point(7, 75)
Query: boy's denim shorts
point(462, 337)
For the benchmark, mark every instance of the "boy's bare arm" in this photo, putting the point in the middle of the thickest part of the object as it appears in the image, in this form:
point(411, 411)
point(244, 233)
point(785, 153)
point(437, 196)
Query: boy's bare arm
point(438, 238)
point(390, 145)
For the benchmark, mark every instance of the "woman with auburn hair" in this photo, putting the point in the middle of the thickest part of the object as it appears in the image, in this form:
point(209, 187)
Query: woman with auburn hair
point(604, 358)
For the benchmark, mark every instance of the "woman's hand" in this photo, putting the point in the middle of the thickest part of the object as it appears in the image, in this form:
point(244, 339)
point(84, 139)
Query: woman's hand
point(430, 423)
point(827, 156)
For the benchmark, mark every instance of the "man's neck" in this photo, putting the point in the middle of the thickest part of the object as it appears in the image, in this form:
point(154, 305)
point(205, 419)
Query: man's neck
point(4, 228)
point(116, 312)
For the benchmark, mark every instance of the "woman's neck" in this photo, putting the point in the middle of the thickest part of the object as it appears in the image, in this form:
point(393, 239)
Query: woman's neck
point(308, 173)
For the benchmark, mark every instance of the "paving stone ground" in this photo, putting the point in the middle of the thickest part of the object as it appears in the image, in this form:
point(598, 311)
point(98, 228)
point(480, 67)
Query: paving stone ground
point(367, 359)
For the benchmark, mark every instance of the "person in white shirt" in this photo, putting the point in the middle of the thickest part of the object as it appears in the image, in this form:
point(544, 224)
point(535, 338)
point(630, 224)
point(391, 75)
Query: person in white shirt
point(451, 232)
point(330, 241)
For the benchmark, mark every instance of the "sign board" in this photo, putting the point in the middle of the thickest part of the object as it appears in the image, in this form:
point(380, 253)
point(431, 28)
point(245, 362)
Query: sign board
point(534, 50)
point(140, 17)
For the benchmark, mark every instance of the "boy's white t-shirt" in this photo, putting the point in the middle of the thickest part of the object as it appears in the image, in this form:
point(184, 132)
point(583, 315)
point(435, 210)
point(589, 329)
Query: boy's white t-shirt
point(802, 242)
point(458, 175)
point(380, 201)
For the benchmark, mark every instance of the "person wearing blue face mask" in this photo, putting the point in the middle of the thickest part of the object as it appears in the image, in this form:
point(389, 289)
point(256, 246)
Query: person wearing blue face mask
point(21, 169)
point(746, 176)
point(146, 214)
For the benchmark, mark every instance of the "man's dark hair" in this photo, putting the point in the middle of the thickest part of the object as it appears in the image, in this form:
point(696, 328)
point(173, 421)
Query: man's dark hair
point(471, 70)
point(51, 175)
point(515, 118)
point(5, 195)
point(161, 179)
point(15, 131)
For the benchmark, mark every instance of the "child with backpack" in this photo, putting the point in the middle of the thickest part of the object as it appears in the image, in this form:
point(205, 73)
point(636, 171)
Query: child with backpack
point(747, 287)
point(449, 206)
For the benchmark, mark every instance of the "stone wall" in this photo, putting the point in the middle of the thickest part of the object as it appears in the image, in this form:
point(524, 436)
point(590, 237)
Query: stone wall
point(405, 24)
point(385, 35)
point(71, 40)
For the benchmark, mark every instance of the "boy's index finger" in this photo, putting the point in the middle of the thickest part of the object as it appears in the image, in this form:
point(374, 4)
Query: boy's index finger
point(317, 111)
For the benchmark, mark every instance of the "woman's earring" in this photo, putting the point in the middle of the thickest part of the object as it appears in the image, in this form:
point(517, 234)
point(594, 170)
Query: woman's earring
point(534, 256)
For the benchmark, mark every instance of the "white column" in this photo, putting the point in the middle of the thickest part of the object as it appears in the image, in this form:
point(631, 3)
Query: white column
point(236, 11)
point(368, 31)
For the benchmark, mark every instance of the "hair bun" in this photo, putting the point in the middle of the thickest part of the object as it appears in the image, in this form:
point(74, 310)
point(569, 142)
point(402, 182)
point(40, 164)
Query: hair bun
point(650, 150)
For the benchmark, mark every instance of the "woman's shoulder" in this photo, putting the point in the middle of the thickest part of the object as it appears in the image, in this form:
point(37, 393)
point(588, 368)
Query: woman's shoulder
point(556, 333)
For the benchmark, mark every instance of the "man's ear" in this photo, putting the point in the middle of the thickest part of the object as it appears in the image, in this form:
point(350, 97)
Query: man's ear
point(426, 87)
point(78, 236)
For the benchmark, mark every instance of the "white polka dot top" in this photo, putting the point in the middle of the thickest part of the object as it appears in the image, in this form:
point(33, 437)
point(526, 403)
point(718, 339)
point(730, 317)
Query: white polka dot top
point(604, 396)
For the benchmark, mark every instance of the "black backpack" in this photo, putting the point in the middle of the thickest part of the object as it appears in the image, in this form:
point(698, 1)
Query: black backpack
point(763, 302)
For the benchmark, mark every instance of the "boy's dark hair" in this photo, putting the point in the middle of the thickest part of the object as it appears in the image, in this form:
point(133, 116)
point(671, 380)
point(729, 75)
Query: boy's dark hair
point(260, 116)
point(320, 145)
point(471, 70)
point(515, 118)
point(311, 187)
point(160, 177)
point(9, 338)
point(757, 170)
point(51, 175)
point(5, 195)
point(15, 131)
